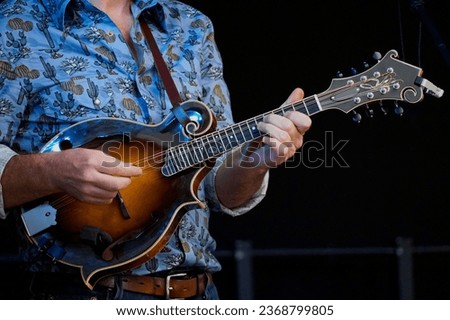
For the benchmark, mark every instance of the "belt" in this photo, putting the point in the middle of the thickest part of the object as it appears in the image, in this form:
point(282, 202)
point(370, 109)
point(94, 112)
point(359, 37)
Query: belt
point(172, 286)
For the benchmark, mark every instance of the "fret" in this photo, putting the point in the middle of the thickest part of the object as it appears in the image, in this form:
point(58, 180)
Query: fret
point(180, 158)
point(189, 154)
point(226, 139)
point(318, 104)
point(231, 137)
point(280, 112)
point(309, 106)
point(196, 148)
point(221, 145)
point(305, 107)
point(256, 133)
point(184, 154)
point(239, 135)
point(209, 147)
point(205, 148)
point(252, 129)
point(176, 160)
point(214, 146)
point(169, 166)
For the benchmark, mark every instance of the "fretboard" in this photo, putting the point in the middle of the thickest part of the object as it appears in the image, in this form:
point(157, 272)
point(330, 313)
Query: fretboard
point(212, 145)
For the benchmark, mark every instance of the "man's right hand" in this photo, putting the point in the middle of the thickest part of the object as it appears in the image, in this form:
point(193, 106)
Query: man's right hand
point(88, 175)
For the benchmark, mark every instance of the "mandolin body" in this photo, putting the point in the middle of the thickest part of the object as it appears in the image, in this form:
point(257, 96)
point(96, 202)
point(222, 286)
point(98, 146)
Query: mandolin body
point(104, 239)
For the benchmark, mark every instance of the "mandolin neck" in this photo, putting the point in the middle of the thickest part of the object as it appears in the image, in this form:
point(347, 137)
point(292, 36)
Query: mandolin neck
point(212, 145)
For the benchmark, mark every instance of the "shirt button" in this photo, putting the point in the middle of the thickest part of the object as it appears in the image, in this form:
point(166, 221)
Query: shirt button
point(188, 95)
point(97, 102)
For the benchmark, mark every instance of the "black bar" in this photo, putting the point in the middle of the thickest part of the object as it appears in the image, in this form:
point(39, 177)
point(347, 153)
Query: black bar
point(405, 268)
point(244, 267)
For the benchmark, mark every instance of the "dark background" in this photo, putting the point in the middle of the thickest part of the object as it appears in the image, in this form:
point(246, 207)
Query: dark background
point(397, 182)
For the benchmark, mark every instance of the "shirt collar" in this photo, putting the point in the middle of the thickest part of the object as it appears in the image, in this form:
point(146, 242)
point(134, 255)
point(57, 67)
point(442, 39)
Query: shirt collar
point(58, 10)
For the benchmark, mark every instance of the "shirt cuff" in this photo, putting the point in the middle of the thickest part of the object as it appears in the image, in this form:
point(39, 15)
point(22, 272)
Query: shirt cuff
point(5, 155)
point(216, 205)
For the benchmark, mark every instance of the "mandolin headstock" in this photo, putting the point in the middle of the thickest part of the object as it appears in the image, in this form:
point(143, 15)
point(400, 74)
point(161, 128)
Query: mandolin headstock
point(389, 79)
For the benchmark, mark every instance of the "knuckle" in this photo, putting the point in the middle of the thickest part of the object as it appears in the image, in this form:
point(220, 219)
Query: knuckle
point(284, 136)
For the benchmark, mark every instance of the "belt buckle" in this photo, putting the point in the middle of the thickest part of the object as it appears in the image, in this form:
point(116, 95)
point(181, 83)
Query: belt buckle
point(168, 278)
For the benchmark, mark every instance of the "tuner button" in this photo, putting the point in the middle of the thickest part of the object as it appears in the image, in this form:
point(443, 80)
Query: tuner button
point(365, 65)
point(339, 74)
point(383, 109)
point(384, 90)
point(398, 109)
point(357, 100)
point(369, 111)
point(377, 56)
point(356, 117)
point(353, 71)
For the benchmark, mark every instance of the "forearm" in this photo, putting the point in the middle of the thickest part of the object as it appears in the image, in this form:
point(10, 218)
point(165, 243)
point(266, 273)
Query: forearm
point(25, 178)
point(238, 179)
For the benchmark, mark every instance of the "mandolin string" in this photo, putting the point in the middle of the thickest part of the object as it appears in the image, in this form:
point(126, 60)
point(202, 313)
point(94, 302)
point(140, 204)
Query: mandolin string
point(153, 161)
point(206, 139)
point(293, 105)
point(158, 157)
point(63, 201)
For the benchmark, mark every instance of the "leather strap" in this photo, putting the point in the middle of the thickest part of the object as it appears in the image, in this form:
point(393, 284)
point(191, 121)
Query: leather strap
point(176, 286)
point(161, 66)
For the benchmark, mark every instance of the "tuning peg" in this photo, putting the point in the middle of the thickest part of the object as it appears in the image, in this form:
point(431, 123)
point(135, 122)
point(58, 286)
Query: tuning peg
point(353, 71)
point(398, 109)
point(377, 56)
point(369, 111)
point(365, 65)
point(356, 117)
point(383, 109)
point(339, 74)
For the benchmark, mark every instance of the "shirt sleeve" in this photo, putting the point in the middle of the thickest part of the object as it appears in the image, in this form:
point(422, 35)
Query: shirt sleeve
point(5, 155)
point(213, 199)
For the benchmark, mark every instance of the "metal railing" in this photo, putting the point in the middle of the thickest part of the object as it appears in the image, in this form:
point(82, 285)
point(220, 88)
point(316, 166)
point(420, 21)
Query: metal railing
point(243, 254)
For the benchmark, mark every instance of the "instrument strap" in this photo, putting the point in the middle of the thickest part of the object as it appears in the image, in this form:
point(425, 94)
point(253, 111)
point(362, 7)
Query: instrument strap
point(164, 73)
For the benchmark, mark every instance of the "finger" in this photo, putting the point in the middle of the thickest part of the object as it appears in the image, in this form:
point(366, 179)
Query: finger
point(295, 95)
point(98, 197)
point(115, 167)
point(279, 151)
point(274, 131)
point(281, 128)
point(111, 183)
point(92, 193)
point(300, 120)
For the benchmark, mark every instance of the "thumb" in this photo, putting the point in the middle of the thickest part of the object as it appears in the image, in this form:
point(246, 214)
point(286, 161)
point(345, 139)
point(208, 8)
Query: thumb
point(296, 95)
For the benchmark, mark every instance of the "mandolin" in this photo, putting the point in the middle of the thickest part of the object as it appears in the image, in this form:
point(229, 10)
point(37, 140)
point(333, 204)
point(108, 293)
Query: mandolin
point(102, 240)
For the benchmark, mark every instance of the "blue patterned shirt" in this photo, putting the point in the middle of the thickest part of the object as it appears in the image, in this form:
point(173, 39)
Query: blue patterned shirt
point(65, 61)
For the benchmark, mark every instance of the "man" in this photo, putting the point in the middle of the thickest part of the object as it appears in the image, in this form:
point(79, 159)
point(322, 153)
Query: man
point(66, 61)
